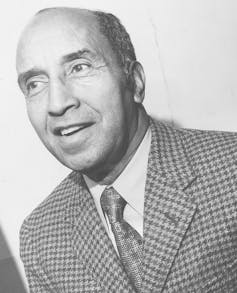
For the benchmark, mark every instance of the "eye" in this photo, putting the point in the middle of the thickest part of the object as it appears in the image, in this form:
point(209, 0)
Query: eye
point(33, 87)
point(80, 68)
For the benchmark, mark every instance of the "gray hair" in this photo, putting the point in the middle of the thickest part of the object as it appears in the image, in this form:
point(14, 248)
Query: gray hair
point(119, 39)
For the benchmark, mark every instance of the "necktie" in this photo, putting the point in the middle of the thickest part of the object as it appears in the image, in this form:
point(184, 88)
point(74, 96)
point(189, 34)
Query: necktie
point(128, 240)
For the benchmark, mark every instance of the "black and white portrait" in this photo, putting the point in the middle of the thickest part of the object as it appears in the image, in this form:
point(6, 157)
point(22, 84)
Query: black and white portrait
point(119, 146)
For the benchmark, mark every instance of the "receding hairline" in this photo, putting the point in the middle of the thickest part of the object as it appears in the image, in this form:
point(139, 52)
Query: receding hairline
point(65, 9)
point(108, 25)
point(67, 13)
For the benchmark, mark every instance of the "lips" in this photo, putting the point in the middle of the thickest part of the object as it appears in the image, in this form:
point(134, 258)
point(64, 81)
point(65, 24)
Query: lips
point(69, 130)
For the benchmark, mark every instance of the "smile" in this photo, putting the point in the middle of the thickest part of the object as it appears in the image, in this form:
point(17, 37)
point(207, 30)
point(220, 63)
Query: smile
point(71, 129)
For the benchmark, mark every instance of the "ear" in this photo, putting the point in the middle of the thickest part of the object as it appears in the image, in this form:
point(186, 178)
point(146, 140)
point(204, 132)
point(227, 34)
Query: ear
point(137, 78)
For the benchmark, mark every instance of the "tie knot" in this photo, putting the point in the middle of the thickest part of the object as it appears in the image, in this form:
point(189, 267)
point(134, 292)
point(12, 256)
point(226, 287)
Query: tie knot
point(112, 204)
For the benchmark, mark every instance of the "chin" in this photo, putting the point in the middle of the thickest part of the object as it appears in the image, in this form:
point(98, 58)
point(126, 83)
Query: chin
point(84, 163)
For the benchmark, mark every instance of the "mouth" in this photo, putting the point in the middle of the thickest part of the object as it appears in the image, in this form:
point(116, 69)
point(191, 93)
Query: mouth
point(70, 129)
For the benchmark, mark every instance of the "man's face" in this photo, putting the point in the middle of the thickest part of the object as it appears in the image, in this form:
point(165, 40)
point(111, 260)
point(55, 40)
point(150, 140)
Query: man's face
point(76, 93)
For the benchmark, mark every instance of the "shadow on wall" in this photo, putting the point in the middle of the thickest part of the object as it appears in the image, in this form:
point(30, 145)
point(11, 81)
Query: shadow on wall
point(10, 279)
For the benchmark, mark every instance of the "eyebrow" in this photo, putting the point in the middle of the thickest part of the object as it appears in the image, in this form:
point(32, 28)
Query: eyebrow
point(78, 54)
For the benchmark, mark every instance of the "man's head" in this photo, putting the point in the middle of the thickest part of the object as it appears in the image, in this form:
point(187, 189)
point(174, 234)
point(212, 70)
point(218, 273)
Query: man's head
point(83, 87)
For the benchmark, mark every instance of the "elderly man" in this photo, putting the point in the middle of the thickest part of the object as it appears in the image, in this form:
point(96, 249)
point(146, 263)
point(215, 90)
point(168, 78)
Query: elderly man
point(147, 208)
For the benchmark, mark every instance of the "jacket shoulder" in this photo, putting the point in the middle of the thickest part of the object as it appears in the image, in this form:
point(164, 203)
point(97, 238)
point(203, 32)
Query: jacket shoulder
point(51, 209)
point(206, 150)
point(210, 148)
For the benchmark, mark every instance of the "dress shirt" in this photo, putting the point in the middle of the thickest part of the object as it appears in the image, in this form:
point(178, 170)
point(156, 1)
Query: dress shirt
point(130, 185)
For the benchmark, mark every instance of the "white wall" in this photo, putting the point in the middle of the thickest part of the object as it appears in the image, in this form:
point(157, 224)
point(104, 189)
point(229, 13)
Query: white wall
point(189, 52)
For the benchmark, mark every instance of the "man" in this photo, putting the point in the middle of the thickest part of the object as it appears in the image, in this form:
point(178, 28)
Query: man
point(147, 208)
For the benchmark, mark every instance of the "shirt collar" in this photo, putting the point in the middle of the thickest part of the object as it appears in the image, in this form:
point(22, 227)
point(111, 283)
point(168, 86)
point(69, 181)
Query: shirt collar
point(131, 182)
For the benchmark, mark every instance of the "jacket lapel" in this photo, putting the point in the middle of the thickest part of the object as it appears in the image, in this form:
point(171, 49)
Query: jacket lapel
point(91, 242)
point(168, 209)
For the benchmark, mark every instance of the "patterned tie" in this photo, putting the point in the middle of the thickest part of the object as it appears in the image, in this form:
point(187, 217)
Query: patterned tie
point(128, 240)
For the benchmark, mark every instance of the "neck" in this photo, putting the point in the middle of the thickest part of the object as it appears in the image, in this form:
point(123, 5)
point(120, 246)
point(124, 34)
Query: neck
point(142, 125)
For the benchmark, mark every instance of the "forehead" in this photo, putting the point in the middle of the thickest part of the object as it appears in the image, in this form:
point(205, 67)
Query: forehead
point(49, 37)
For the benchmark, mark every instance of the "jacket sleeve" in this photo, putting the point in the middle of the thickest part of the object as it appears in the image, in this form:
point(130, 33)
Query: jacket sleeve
point(38, 280)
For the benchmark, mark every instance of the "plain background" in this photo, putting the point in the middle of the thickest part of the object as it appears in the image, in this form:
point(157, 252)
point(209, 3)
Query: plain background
point(189, 52)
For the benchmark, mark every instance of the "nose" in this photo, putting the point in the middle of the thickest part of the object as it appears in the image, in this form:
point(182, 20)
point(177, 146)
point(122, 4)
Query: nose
point(61, 98)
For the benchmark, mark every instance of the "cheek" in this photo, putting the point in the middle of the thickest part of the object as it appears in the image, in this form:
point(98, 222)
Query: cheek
point(100, 92)
point(37, 115)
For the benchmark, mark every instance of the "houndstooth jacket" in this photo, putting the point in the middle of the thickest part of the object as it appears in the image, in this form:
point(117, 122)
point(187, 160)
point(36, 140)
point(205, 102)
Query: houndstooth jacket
point(190, 224)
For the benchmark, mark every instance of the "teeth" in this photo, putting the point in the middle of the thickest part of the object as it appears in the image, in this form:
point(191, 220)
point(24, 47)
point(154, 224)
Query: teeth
point(69, 130)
